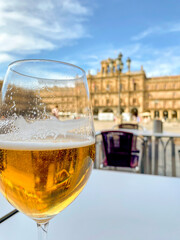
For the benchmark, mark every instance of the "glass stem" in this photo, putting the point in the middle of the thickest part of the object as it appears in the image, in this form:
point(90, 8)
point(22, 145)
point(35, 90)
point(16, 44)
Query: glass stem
point(42, 231)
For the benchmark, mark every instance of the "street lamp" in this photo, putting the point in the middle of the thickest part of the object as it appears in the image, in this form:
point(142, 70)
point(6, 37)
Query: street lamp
point(128, 62)
point(111, 65)
point(119, 64)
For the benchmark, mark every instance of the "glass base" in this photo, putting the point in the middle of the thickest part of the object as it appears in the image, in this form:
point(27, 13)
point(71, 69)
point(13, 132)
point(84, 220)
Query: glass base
point(42, 220)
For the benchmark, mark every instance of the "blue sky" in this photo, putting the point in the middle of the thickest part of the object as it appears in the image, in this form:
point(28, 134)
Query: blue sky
point(84, 32)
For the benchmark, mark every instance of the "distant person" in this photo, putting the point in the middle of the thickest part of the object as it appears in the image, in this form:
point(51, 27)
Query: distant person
point(55, 112)
point(138, 119)
point(134, 117)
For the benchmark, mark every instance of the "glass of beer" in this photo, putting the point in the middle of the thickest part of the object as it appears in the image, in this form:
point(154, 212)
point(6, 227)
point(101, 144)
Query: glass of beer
point(47, 138)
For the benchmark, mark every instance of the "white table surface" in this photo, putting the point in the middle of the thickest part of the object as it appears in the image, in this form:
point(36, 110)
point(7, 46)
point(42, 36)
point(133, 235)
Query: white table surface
point(113, 205)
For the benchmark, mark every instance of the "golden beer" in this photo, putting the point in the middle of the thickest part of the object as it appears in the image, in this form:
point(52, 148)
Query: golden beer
point(40, 179)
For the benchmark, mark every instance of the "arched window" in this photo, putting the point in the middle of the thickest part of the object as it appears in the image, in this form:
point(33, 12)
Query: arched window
point(95, 88)
point(107, 101)
point(134, 100)
point(96, 102)
point(108, 87)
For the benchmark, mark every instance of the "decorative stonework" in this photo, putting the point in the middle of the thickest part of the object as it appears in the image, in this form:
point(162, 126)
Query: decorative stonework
point(113, 89)
point(135, 90)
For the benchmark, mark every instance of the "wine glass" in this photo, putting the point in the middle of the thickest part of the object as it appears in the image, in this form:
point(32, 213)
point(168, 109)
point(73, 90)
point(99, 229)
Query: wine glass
point(47, 139)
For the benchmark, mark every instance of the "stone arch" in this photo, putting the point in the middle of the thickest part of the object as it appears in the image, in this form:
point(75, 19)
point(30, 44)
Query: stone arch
point(156, 114)
point(121, 110)
point(107, 110)
point(174, 114)
point(95, 111)
point(165, 114)
point(134, 112)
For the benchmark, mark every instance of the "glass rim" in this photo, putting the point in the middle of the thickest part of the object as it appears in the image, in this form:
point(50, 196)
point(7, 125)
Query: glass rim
point(45, 60)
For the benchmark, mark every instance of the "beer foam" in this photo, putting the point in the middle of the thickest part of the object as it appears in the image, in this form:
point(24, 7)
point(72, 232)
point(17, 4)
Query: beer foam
point(46, 134)
point(41, 129)
point(20, 129)
point(38, 146)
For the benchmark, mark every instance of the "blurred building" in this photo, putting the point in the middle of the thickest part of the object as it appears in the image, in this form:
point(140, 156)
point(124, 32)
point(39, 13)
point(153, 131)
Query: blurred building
point(37, 103)
point(113, 90)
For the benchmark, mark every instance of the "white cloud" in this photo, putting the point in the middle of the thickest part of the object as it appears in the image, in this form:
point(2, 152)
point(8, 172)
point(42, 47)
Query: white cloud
point(28, 27)
point(145, 33)
point(74, 7)
point(6, 58)
point(155, 61)
point(23, 43)
point(162, 67)
point(162, 29)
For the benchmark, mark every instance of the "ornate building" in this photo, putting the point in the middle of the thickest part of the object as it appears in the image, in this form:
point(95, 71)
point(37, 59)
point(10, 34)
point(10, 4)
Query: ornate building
point(115, 91)
point(70, 101)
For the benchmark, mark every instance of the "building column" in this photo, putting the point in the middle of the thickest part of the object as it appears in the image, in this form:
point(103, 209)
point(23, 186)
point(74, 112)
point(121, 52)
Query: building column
point(161, 114)
point(152, 114)
point(128, 95)
point(178, 114)
point(170, 114)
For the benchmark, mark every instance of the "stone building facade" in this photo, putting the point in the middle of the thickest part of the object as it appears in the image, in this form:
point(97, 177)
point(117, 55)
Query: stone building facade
point(133, 92)
point(69, 100)
point(117, 91)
